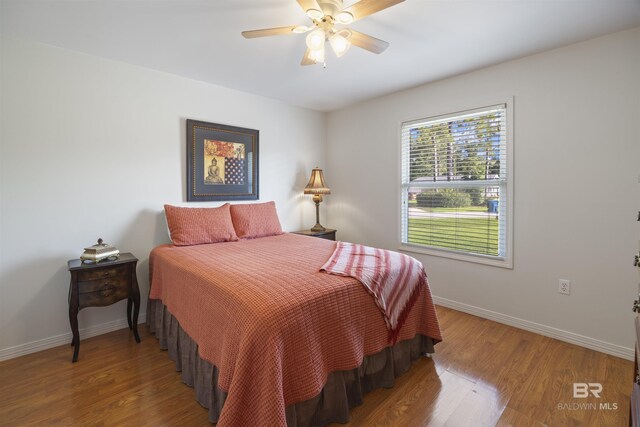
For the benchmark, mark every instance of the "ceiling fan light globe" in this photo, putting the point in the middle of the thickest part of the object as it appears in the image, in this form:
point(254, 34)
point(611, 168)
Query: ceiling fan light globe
point(315, 39)
point(317, 55)
point(344, 18)
point(315, 14)
point(300, 29)
point(339, 44)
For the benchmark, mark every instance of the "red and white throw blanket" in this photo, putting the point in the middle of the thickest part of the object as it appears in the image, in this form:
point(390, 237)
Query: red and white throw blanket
point(393, 279)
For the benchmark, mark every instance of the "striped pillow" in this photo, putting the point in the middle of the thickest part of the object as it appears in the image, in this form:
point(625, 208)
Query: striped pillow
point(255, 220)
point(196, 226)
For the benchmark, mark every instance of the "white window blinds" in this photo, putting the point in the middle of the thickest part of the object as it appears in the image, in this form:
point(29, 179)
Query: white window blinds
point(454, 182)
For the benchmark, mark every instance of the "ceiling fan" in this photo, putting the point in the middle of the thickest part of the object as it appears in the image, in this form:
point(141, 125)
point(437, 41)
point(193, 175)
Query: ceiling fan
point(326, 15)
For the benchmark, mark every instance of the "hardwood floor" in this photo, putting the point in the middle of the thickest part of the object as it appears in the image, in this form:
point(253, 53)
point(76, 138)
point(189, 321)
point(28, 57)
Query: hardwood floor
point(483, 374)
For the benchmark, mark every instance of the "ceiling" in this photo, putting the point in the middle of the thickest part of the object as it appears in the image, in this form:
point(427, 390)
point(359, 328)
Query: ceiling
point(430, 40)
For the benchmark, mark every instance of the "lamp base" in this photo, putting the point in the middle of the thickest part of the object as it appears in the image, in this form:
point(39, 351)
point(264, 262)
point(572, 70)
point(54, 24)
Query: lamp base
point(317, 199)
point(318, 227)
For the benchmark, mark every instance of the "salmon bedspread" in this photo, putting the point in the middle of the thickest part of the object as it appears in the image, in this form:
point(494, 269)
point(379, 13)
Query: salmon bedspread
point(271, 322)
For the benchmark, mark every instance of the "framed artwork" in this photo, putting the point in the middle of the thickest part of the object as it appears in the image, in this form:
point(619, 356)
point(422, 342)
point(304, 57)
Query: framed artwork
point(222, 162)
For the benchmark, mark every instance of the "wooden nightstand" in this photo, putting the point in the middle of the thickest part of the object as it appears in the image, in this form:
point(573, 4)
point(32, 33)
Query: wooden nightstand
point(101, 284)
point(328, 233)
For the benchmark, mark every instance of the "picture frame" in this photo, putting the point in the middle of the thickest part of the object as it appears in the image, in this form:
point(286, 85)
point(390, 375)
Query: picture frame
point(222, 162)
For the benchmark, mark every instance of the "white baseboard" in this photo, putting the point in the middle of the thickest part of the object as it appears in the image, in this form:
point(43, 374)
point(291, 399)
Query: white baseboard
point(548, 331)
point(65, 339)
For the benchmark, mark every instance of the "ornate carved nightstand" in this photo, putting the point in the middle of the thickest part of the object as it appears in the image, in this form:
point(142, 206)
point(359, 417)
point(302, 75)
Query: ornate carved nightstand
point(101, 284)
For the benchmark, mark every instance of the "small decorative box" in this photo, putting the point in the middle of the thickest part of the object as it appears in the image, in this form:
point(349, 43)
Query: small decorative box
point(99, 252)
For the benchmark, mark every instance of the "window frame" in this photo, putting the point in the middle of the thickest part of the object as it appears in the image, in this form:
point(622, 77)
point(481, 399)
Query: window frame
point(496, 261)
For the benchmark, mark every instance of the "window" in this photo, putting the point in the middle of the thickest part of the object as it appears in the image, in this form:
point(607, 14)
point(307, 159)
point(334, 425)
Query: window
point(456, 185)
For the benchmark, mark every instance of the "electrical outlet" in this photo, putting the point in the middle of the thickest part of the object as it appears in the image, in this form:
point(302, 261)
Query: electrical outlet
point(564, 286)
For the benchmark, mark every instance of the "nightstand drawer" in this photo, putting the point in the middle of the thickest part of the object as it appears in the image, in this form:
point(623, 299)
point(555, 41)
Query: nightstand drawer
point(106, 295)
point(328, 236)
point(100, 273)
point(119, 282)
point(327, 233)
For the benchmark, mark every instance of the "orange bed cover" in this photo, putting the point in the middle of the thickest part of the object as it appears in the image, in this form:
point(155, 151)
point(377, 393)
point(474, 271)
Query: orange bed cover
point(274, 325)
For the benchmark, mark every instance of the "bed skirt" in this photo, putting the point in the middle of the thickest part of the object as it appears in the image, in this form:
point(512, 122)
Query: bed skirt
point(343, 389)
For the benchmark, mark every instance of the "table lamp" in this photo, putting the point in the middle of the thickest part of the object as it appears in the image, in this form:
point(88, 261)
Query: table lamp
point(317, 187)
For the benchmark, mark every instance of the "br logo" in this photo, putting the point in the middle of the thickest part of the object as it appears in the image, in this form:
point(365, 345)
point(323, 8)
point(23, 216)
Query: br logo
point(582, 390)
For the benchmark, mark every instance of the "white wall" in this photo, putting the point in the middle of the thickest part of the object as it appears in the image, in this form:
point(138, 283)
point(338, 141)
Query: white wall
point(577, 162)
point(94, 148)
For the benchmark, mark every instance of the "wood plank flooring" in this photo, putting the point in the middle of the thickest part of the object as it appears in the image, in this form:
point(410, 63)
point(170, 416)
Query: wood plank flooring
point(483, 374)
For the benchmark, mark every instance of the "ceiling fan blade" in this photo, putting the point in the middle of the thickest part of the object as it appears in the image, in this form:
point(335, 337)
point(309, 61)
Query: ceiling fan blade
point(306, 59)
point(366, 42)
point(268, 32)
point(309, 4)
point(368, 7)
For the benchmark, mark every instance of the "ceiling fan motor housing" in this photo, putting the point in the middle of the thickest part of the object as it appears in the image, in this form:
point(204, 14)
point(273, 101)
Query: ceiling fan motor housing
point(330, 7)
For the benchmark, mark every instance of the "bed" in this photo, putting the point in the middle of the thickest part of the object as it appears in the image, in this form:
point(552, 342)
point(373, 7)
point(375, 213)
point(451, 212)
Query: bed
point(265, 338)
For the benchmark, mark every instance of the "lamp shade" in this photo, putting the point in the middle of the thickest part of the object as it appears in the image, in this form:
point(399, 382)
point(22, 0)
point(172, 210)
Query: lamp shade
point(315, 39)
point(317, 55)
point(316, 183)
point(339, 44)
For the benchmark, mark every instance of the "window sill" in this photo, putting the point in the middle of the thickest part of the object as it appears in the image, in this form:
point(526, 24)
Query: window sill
point(478, 259)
